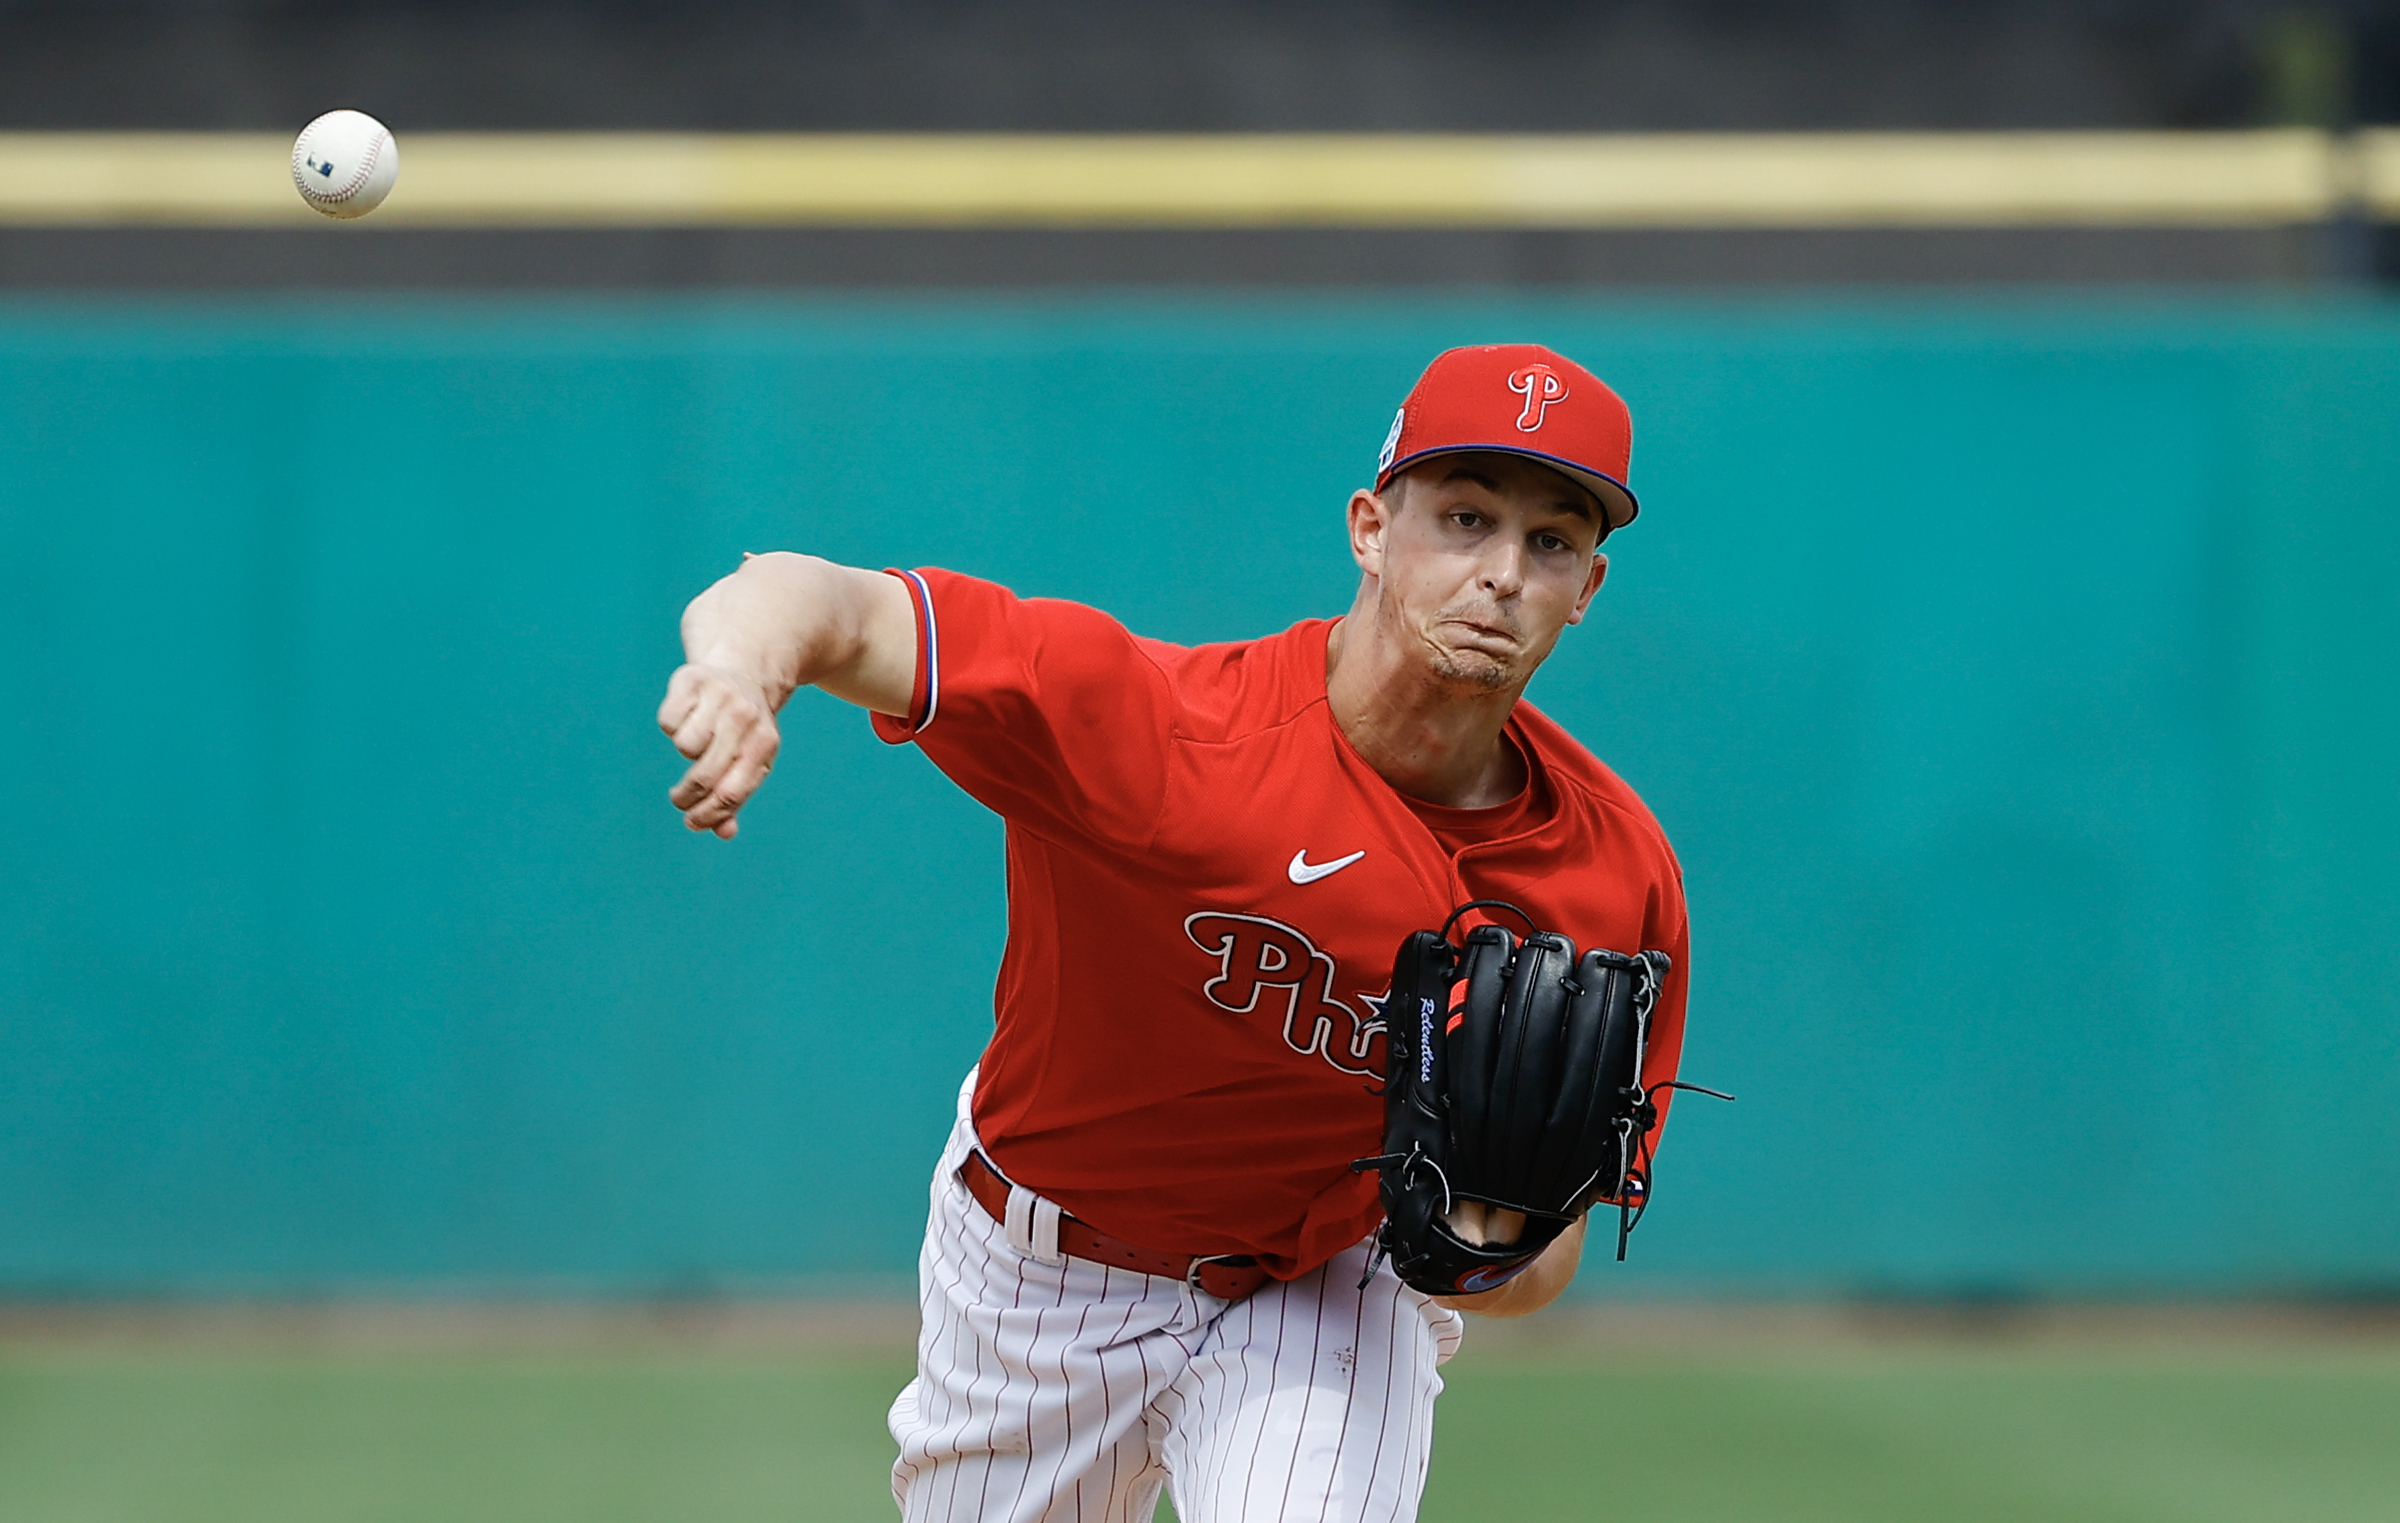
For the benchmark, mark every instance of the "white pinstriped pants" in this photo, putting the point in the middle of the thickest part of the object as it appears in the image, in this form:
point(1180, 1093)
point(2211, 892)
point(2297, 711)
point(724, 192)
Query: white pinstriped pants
point(1066, 1390)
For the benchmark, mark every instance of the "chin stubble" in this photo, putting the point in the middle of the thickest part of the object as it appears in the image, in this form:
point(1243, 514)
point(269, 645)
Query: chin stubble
point(1471, 671)
point(1454, 668)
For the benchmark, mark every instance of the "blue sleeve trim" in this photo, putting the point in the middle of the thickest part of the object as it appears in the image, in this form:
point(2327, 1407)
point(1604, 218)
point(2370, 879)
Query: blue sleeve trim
point(933, 652)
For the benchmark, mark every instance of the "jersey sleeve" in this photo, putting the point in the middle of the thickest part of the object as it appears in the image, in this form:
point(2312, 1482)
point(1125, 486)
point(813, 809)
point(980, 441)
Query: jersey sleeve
point(1049, 713)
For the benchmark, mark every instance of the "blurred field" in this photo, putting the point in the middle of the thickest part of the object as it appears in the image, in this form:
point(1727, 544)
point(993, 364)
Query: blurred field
point(1597, 1415)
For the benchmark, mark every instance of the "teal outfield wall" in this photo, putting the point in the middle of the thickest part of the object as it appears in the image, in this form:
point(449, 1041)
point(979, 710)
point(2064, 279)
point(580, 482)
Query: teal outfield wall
point(2017, 679)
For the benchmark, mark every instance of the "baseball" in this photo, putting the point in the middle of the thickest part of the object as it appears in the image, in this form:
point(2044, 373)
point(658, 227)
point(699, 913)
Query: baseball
point(344, 163)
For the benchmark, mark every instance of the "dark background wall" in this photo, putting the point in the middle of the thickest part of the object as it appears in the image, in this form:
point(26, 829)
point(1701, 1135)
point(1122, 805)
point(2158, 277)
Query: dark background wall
point(1213, 65)
point(1230, 65)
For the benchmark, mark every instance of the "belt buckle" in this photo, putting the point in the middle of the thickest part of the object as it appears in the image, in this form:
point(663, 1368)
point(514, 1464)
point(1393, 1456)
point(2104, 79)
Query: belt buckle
point(1191, 1274)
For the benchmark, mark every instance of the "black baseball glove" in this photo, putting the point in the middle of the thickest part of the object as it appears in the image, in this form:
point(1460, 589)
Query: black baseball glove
point(1513, 1099)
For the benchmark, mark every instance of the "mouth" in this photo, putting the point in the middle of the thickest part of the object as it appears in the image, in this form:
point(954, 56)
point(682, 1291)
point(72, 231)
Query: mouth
point(1493, 633)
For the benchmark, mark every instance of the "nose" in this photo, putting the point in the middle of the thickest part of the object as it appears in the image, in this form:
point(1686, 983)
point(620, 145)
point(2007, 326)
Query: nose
point(1502, 572)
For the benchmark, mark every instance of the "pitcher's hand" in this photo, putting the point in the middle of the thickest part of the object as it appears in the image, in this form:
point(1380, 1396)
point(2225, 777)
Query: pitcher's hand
point(723, 721)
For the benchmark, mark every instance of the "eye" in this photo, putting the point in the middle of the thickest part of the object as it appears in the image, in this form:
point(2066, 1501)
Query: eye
point(1466, 518)
point(1551, 542)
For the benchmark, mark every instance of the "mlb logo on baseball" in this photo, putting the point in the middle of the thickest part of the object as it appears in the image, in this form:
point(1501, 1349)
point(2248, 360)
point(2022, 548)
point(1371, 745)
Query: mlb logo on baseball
point(344, 163)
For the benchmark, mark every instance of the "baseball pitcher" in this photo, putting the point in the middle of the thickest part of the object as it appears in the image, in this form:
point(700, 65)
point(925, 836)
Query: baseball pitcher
point(1340, 985)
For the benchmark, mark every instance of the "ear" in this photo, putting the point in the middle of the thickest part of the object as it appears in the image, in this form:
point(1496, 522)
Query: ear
point(1591, 585)
point(1370, 524)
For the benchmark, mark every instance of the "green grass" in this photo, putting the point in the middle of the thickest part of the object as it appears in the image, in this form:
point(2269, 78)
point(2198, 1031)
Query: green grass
point(112, 1439)
point(1961, 1435)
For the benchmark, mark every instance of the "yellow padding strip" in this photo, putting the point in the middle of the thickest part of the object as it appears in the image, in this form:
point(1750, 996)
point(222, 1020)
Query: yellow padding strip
point(2229, 179)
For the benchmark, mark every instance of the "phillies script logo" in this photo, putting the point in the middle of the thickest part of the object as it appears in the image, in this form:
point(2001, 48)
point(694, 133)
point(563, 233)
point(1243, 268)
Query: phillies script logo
point(1265, 964)
point(1540, 386)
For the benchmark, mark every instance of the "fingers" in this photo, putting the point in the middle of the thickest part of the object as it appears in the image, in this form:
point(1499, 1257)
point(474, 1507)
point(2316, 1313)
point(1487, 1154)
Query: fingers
point(727, 728)
point(723, 780)
point(718, 746)
point(708, 700)
point(725, 777)
point(683, 696)
point(752, 760)
point(1472, 1222)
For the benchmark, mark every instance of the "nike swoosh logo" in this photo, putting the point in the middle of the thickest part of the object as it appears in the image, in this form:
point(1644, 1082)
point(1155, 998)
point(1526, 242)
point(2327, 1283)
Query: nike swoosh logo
point(1304, 871)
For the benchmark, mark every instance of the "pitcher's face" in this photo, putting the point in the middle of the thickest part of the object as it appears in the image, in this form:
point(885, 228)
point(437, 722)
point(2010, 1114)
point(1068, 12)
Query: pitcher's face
point(1480, 560)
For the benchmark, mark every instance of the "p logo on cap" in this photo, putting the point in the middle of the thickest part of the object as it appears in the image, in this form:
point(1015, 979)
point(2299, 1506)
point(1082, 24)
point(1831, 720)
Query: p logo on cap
point(1493, 396)
point(1540, 386)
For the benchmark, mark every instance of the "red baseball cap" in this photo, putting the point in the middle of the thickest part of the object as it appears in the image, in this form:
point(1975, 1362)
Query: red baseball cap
point(1521, 399)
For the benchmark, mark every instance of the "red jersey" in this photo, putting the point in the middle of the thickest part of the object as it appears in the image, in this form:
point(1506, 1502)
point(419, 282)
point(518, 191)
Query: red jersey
point(1206, 890)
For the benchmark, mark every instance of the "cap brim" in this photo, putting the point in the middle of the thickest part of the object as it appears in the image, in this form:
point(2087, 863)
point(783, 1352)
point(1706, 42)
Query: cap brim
point(1617, 503)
